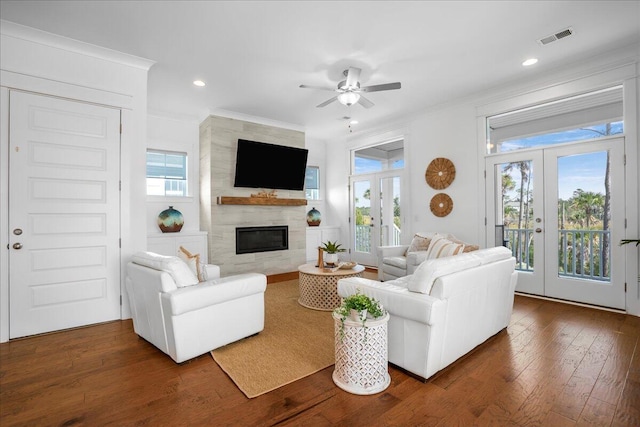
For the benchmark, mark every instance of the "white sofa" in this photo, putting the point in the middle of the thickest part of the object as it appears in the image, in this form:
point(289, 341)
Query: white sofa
point(185, 320)
point(445, 309)
point(401, 260)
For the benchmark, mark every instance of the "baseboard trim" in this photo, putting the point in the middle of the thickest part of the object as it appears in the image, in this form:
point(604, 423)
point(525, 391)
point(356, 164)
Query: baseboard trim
point(579, 304)
point(282, 277)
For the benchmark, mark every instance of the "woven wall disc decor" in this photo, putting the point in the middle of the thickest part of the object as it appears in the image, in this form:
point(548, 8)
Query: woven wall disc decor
point(440, 173)
point(441, 205)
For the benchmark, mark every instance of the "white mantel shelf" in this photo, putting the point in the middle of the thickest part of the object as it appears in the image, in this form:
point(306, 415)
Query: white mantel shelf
point(262, 201)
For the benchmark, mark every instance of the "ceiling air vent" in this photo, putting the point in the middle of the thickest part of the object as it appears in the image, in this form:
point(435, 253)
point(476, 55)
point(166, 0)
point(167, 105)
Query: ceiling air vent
point(557, 36)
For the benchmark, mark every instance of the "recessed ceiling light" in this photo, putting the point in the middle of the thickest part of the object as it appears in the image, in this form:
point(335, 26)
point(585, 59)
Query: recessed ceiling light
point(199, 83)
point(530, 61)
point(353, 122)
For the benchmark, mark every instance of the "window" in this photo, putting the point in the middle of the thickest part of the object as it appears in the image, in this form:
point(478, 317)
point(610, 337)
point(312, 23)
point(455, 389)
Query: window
point(166, 173)
point(587, 116)
point(378, 158)
point(312, 183)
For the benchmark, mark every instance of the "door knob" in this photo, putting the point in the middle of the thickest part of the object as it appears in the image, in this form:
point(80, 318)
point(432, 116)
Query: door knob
point(17, 246)
point(538, 230)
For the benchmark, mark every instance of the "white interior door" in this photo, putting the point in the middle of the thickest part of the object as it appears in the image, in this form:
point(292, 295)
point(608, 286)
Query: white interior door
point(560, 254)
point(64, 206)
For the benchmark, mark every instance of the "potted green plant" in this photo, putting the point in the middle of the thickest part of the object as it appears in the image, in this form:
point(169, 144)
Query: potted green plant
point(359, 307)
point(332, 249)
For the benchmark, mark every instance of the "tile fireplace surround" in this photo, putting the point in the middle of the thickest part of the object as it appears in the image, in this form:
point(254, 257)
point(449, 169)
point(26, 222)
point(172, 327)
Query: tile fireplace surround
point(218, 143)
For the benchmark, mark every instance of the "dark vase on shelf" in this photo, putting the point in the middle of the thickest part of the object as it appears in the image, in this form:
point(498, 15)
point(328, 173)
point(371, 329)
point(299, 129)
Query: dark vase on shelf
point(313, 217)
point(170, 220)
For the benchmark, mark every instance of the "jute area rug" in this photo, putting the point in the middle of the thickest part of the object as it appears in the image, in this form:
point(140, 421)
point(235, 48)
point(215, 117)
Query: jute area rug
point(296, 342)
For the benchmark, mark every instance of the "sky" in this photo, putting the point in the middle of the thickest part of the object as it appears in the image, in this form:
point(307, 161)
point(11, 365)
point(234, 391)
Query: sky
point(583, 171)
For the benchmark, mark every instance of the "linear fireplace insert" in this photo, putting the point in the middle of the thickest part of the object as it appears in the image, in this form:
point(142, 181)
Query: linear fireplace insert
point(262, 239)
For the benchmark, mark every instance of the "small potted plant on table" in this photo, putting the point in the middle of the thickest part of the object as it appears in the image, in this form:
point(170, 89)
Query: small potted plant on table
point(359, 307)
point(332, 249)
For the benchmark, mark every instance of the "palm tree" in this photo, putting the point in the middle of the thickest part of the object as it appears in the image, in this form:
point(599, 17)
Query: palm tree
point(589, 202)
point(525, 173)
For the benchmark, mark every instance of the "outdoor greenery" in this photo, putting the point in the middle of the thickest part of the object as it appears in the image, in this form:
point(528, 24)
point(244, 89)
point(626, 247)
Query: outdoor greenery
point(583, 221)
point(363, 213)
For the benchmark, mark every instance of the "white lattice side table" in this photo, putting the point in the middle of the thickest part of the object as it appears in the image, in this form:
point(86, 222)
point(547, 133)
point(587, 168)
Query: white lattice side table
point(361, 355)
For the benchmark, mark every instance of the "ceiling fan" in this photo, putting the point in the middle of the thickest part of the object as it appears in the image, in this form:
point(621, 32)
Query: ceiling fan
point(349, 90)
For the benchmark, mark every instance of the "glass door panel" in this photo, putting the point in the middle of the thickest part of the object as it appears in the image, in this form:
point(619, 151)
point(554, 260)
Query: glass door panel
point(376, 215)
point(517, 214)
point(362, 220)
point(585, 204)
point(390, 218)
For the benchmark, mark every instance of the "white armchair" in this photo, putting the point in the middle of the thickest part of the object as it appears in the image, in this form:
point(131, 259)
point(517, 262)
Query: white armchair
point(399, 261)
point(392, 262)
point(184, 318)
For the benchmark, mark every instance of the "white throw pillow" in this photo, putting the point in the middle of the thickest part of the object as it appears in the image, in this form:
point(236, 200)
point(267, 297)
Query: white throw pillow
point(443, 247)
point(177, 268)
point(426, 274)
point(193, 261)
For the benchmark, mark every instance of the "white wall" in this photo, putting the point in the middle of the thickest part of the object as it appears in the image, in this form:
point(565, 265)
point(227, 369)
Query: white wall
point(176, 134)
point(449, 133)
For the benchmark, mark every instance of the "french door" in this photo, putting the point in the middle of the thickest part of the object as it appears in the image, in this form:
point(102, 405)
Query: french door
point(561, 212)
point(375, 214)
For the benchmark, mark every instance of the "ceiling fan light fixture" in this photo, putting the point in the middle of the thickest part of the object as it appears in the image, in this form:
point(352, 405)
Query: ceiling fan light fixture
point(348, 98)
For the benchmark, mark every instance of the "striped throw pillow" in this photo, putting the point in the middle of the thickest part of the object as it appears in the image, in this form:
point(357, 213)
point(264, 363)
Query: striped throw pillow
point(444, 247)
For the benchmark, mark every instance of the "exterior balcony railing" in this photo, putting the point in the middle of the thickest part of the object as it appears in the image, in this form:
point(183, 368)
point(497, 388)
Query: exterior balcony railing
point(583, 254)
point(363, 237)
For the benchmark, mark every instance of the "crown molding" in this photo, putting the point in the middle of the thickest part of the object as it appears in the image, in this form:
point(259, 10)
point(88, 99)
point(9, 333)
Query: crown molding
point(253, 119)
point(33, 35)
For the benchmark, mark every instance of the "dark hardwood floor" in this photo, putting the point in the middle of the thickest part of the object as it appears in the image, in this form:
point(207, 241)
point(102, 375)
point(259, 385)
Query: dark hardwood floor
point(555, 365)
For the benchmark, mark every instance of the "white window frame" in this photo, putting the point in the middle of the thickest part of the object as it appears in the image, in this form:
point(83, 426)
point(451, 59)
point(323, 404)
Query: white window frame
point(164, 194)
point(317, 190)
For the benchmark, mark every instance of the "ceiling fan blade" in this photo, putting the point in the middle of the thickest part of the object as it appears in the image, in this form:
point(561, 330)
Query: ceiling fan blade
point(327, 102)
point(353, 77)
point(365, 102)
point(378, 88)
point(330, 89)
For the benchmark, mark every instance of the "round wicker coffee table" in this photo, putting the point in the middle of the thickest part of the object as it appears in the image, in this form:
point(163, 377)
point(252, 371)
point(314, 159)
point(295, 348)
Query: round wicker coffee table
point(319, 286)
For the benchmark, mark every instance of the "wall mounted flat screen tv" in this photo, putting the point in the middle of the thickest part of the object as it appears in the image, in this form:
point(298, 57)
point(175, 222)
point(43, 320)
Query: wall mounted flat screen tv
point(270, 166)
